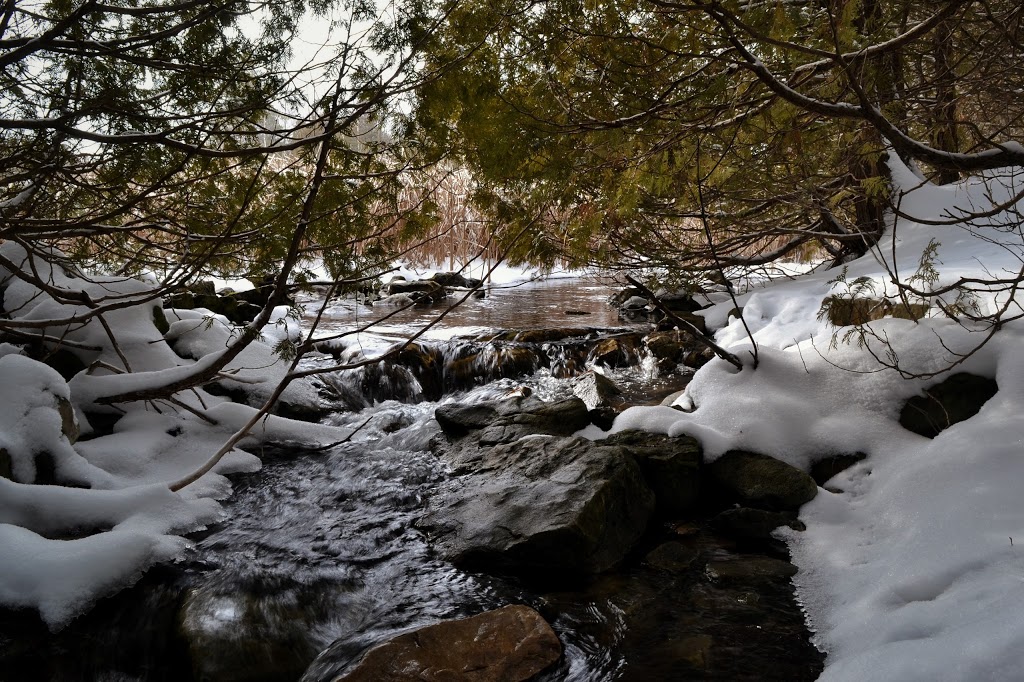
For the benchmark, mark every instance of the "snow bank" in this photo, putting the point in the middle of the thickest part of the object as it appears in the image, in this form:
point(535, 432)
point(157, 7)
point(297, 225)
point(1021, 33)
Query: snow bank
point(914, 569)
point(65, 547)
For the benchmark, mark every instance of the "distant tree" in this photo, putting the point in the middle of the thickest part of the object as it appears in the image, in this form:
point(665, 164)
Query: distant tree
point(186, 138)
point(647, 126)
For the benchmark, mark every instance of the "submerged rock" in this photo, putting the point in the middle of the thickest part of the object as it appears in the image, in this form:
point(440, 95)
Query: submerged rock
point(757, 525)
point(244, 636)
point(957, 398)
point(750, 570)
point(672, 556)
point(762, 481)
point(510, 644)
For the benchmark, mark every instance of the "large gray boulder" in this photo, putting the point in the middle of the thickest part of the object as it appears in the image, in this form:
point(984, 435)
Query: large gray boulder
point(539, 503)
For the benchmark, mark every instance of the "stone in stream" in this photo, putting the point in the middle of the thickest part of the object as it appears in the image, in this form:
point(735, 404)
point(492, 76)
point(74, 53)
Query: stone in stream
point(749, 570)
point(562, 418)
point(671, 467)
point(510, 644)
point(515, 418)
point(757, 525)
point(454, 279)
point(596, 390)
point(672, 556)
point(621, 350)
point(539, 504)
point(761, 481)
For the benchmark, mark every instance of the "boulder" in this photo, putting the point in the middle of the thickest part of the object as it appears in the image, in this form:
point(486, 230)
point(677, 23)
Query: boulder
point(824, 469)
point(562, 418)
point(671, 467)
point(678, 301)
point(596, 390)
point(510, 644)
point(454, 279)
point(957, 398)
point(539, 504)
point(761, 481)
point(423, 290)
point(619, 298)
point(457, 420)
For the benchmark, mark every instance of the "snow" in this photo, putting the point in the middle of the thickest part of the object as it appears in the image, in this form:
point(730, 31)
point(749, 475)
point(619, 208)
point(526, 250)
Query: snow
point(912, 568)
point(66, 546)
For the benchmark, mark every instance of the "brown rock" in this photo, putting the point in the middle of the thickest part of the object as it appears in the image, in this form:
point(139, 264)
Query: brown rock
point(510, 644)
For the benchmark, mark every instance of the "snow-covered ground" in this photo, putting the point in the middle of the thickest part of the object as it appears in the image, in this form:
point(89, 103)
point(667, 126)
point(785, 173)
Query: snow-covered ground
point(914, 570)
point(62, 548)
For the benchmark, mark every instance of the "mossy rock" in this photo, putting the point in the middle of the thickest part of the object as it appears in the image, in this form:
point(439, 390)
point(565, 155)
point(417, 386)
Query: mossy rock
point(957, 398)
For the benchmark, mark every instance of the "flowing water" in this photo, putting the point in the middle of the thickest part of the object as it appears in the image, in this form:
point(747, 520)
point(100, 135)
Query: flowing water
point(320, 559)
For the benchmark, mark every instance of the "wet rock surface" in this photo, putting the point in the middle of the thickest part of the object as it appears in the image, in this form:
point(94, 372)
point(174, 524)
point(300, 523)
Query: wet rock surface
point(510, 644)
point(527, 497)
point(671, 467)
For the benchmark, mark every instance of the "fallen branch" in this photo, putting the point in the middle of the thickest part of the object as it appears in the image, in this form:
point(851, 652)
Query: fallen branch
point(687, 326)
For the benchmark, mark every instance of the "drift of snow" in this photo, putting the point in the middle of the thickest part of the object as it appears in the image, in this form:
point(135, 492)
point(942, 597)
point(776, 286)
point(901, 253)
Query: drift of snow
point(65, 547)
point(910, 571)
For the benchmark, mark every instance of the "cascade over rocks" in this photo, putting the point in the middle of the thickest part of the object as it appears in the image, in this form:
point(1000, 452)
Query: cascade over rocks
point(510, 644)
point(957, 398)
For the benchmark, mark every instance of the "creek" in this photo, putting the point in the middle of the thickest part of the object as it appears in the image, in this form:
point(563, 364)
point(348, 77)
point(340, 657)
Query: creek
point(319, 558)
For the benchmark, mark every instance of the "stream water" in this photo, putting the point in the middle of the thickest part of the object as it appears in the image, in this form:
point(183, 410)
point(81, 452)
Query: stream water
point(319, 559)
